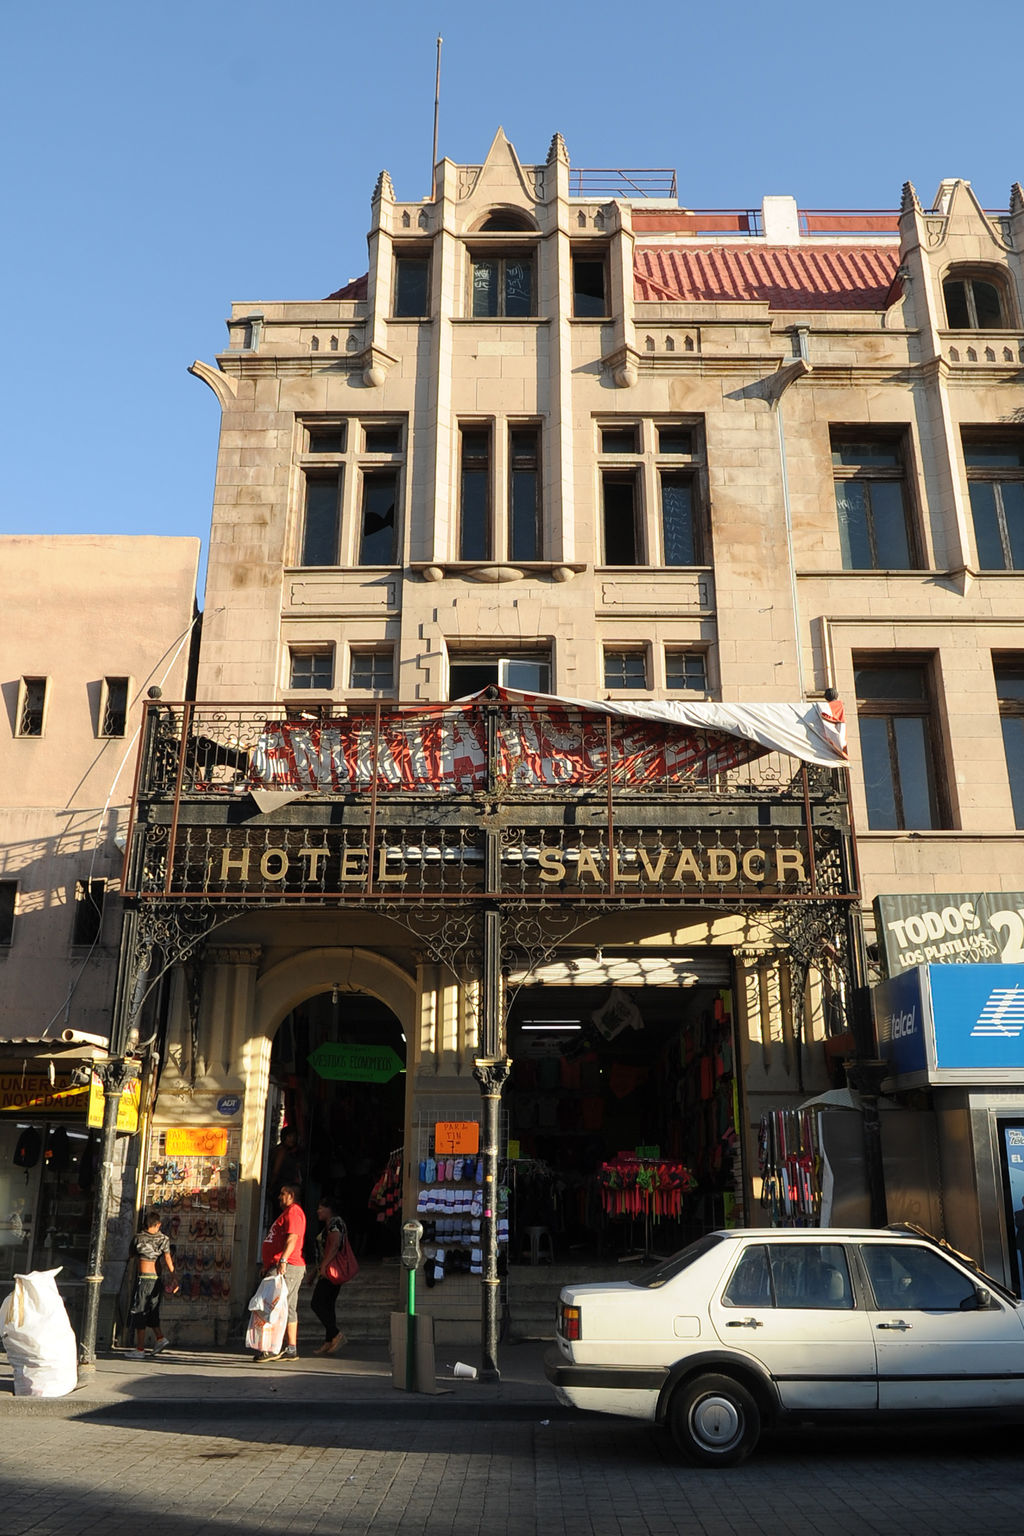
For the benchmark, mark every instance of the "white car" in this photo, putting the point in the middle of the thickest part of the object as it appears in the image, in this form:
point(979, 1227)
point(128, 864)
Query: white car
point(745, 1328)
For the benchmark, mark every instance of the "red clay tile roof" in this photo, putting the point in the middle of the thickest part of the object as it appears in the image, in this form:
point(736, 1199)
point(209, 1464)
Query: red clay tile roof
point(356, 289)
point(786, 277)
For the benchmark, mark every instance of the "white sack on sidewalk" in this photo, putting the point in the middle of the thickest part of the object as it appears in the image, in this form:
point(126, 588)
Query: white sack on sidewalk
point(38, 1337)
point(268, 1316)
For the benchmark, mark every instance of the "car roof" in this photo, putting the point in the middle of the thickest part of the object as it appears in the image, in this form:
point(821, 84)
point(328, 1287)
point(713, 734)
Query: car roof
point(826, 1234)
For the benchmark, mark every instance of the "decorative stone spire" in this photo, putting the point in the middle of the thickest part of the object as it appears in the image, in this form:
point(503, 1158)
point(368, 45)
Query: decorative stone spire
point(383, 188)
point(910, 202)
point(1016, 199)
point(557, 150)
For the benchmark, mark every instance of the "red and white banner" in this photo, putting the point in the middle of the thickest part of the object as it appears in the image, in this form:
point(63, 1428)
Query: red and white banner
point(543, 742)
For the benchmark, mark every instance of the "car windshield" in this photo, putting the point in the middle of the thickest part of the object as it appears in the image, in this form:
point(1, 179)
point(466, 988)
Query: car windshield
point(652, 1278)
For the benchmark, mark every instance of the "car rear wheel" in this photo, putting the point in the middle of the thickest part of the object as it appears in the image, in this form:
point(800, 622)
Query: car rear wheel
point(714, 1421)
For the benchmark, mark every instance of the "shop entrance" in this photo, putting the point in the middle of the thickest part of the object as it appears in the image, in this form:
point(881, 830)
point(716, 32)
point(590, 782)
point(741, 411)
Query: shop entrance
point(623, 1112)
point(337, 1111)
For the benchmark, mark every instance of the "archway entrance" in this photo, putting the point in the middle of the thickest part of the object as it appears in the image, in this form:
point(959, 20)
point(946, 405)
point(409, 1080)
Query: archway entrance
point(337, 1111)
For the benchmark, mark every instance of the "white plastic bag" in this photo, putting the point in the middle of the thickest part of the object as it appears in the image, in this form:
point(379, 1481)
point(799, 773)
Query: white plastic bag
point(38, 1337)
point(268, 1316)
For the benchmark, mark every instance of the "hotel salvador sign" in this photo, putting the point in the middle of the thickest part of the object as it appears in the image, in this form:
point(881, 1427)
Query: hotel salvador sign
point(303, 862)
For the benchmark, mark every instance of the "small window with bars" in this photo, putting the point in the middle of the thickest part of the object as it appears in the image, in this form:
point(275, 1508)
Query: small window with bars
point(32, 706)
point(8, 907)
point(625, 670)
point(88, 920)
point(372, 671)
point(311, 668)
point(114, 707)
point(686, 670)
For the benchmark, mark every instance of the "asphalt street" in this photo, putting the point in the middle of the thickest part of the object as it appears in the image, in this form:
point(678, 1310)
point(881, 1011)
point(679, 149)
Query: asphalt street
point(389, 1467)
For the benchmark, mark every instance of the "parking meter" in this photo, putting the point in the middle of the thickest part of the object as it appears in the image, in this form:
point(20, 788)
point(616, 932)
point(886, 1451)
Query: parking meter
point(412, 1232)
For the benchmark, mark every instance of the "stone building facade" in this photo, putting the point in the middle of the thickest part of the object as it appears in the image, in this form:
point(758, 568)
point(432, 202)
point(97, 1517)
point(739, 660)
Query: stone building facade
point(570, 440)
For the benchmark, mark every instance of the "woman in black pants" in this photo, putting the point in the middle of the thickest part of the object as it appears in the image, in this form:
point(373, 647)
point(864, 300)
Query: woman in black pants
point(325, 1292)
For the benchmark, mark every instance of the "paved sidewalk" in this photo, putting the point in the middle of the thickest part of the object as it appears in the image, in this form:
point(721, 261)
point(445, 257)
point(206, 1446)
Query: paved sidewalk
point(182, 1383)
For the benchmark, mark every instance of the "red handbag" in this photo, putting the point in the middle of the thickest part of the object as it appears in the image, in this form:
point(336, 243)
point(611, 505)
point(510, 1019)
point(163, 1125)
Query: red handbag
point(344, 1266)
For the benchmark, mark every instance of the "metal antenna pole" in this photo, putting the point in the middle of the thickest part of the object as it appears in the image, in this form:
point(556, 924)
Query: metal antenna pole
point(437, 108)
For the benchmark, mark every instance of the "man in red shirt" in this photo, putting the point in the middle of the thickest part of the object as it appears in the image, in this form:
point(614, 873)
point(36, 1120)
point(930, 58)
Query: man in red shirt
point(282, 1255)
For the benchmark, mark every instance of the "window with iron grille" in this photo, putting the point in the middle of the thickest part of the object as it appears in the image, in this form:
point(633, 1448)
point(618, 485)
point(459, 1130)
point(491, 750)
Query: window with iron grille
point(686, 669)
point(8, 906)
point(32, 705)
point(114, 706)
point(88, 919)
point(373, 671)
point(899, 745)
point(626, 669)
point(311, 668)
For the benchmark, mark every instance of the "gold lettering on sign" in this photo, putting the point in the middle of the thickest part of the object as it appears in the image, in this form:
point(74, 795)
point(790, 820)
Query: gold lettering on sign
point(687, 864)
point(348, 865)
point(620, 875)
point(589, 864)
point(786, 859)
point(382, 869)
point(653, 871)
point(722, 865)
point(270, 858)
point(315, 856)
point(551, 865)
point(228, 863)
point(751, 856)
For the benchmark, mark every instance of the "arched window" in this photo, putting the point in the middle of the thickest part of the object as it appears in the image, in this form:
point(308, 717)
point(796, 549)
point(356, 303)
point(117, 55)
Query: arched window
point(502, 220)
point(976, 299)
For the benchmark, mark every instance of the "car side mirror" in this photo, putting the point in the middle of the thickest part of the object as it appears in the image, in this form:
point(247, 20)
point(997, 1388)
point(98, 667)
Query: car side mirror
point(982, 1299)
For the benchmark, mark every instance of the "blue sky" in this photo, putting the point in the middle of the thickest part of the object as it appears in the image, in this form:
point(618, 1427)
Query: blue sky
point(160, 161)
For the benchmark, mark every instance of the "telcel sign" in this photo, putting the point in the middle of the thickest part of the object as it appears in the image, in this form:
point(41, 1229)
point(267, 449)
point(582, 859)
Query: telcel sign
point(953, 1024)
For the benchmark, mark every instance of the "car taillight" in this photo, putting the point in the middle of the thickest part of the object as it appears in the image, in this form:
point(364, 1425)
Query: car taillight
point(569, 1322)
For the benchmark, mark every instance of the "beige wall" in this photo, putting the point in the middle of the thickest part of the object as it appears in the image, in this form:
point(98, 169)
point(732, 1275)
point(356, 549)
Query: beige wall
point(76, 611)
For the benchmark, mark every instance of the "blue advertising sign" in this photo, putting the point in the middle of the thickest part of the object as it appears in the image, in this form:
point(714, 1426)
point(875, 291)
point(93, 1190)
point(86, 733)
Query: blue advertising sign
point(953, 1023)
point(229, 1104)
point(902, 1022)
point(978, 1013)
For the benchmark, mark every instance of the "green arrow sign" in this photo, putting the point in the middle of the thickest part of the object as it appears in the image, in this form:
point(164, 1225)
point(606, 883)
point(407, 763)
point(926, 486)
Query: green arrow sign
point(356, 1063)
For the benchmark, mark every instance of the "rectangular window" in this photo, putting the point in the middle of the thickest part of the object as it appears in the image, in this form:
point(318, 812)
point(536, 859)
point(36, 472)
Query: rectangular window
point(502, 286)
point(412, 287)
point(372, 671)
point(1010, 693)
point(620, 498)
point(475, 495)
point(31, 706)
point(899, 749)
point(679, 536)
point(995, 476)
point(675, 440)
point(311, 669)
point(686, 669)
point(321, 527)
point(8, 905)
point(382, 437)
point(625, 669)
point(871, 503)
point(378, 527)
point(329, 438)
point(588, 288)
point(524, 493)
point(114, 706)
point(88, 920)
point(527, 671)
point(620, 439)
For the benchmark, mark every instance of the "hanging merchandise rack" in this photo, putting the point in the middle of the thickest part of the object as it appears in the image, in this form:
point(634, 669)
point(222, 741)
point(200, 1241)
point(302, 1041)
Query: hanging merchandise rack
point(789, 1158)
point(386, 1194)
point(646, 1188)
